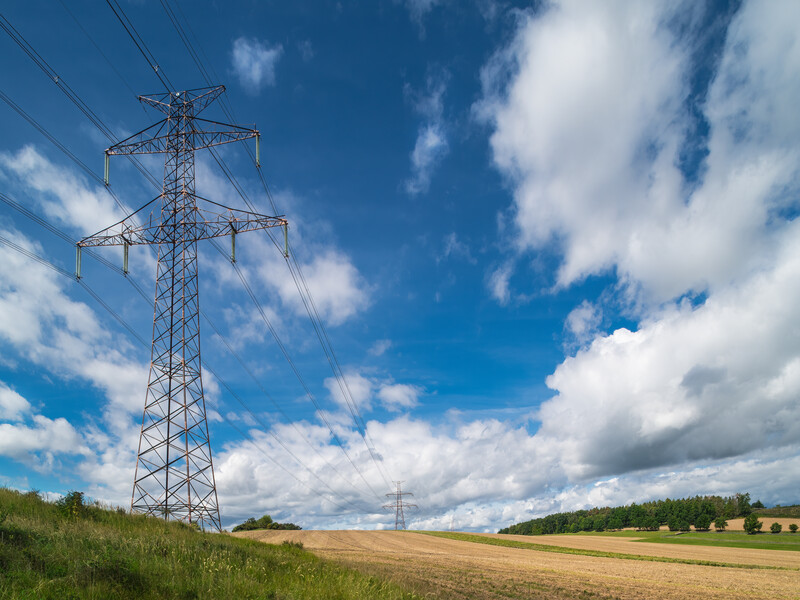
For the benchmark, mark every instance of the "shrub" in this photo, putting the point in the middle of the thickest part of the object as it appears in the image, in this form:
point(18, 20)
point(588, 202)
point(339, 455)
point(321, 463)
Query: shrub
point(775, 527)
point(703, 522)
point(264, 522)
point(720, 524)
point(793, 527)
point(72, 505)
point(751, 524)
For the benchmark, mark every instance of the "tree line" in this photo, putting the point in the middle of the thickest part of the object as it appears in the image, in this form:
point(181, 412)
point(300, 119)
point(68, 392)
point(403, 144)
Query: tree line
point(678, 515)
point(264, 522)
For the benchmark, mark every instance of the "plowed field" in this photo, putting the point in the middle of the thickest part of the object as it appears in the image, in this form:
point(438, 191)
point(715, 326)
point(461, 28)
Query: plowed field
point(444, 568)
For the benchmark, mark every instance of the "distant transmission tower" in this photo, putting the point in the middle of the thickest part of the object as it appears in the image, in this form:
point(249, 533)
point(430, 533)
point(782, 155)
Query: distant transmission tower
point(174, 476)
point(398, 505)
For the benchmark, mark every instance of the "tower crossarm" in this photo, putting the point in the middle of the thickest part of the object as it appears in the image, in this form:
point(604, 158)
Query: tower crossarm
point(204, 226)
point(198, 98)
point(216, 135)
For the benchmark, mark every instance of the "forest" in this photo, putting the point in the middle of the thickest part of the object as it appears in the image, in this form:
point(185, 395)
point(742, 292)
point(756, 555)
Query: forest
point(678, 515)
point(264, 522)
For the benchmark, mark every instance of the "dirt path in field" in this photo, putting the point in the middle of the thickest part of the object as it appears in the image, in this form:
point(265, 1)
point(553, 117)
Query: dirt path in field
point(449, 569)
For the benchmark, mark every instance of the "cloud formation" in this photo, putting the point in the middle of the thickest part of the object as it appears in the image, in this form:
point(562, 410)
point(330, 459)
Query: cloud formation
point(431, 145)
point(592, 145)
point(254, 63)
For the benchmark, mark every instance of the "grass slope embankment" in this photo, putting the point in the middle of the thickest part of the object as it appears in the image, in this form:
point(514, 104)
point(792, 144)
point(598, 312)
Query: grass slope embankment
point(789, 512)
point(87, 552)
point(466, 537)
point(714, 539)
point(762, 541)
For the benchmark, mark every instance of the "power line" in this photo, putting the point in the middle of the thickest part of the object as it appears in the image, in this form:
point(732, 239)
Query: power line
point(140, 44)
point(399, 505)
point(300, 281)
point(46, 263)
point(98, 257)
point(309, 394)
point(91, 39)
point(45, 67)
point(151, 60)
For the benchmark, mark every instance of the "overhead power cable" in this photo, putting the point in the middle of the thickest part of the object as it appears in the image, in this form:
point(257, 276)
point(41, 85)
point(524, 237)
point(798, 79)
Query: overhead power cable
point(46, 263)
point(100, 50)
point(45, 67)
point(309, 394)
point(294, 267)
point(108, 264)
point(140, 44)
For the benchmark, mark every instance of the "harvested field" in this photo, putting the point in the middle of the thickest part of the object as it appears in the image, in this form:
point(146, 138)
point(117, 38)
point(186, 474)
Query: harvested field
point(630, 545)
point(738, 524)
point(444, 568)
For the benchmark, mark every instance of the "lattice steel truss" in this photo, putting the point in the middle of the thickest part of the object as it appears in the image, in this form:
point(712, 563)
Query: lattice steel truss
point(174, 475)
point(398, 505)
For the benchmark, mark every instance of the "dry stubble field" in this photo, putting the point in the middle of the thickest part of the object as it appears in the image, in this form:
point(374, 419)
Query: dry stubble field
point(444, 568)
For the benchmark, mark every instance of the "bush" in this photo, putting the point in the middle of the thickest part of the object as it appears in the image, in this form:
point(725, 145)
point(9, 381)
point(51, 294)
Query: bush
point(751, 524)
point(703, 522)
point(793, 527)
point(775, 527)
point(720, 524)
point(72, 505)
point(264, 522)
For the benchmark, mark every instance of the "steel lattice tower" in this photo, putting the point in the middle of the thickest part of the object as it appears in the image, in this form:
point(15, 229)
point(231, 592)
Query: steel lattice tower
point(398, 505)
point(174, 475)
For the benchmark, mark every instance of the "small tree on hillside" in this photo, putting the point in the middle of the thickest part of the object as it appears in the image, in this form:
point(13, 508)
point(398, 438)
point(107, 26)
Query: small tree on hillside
point(720, 524)
point(751, 524)
point(703, 522)
point(776, 527)
point(793, 527)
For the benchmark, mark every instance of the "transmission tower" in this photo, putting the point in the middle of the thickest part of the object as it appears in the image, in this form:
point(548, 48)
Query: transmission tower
point(174, 476)
point(398, 505)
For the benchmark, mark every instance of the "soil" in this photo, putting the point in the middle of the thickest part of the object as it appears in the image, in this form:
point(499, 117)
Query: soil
point(444, 569)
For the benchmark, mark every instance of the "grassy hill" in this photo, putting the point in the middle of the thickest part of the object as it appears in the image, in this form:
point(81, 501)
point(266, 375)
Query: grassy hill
point(779, 511)
point(78, 551)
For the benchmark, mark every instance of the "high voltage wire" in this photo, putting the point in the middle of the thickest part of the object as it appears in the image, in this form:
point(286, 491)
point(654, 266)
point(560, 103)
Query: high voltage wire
point(320, 412)
point(316, 321)
point(319, 327)
point(247, 369)
point(91, 39)
point(43, 261)
point(137, 39)
point(45, 67)
point(350, 402)
point(92, 253)
point(72, 156)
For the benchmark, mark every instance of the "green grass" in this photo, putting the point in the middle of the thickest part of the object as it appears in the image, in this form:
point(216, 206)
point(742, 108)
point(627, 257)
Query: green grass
point(479, 539)
point(725, 539)
point(789, 512)
point(761, 541)
point(93, 553)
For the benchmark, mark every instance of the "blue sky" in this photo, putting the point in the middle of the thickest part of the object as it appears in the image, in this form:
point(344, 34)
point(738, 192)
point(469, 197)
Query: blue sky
point(553, 247)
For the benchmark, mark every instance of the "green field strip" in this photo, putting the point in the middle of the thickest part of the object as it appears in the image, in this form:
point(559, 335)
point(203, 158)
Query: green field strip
point(755, 542)
point(478, 539)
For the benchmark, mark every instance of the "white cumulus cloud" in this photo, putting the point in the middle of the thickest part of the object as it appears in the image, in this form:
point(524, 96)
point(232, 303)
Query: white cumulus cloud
point(431, 145)
point(254, 62)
